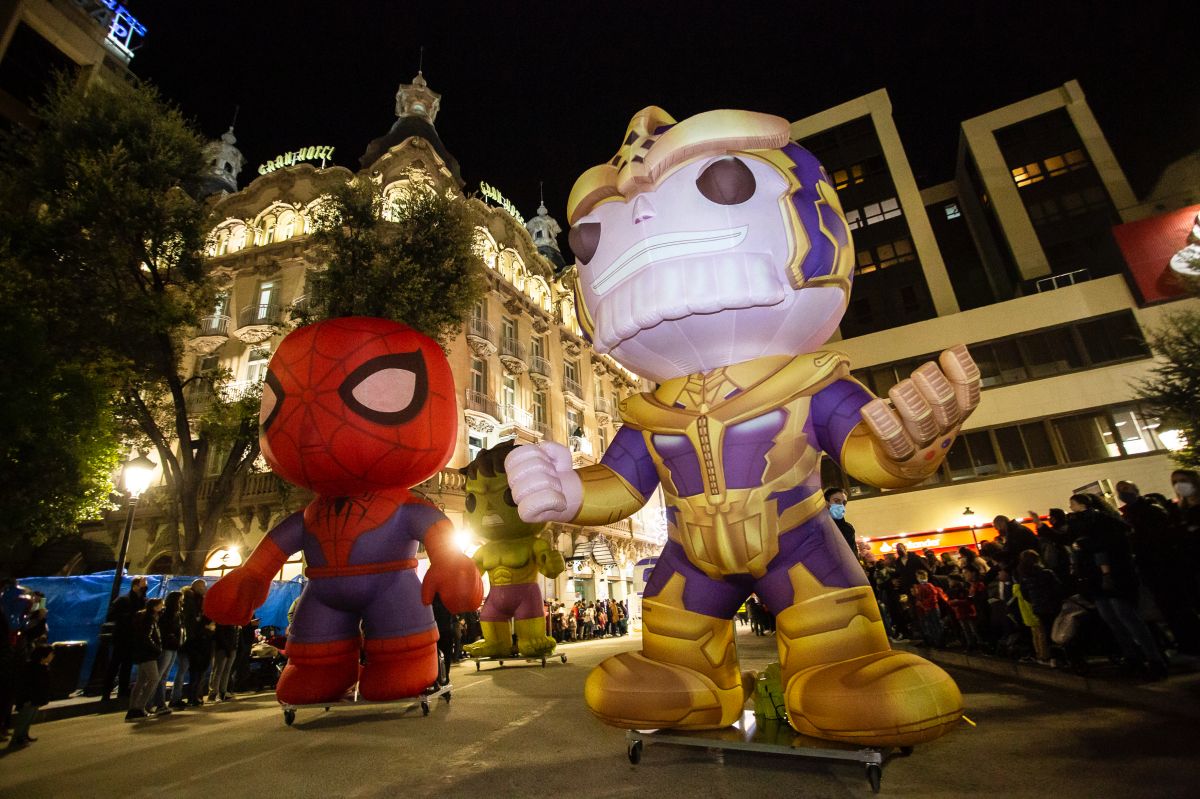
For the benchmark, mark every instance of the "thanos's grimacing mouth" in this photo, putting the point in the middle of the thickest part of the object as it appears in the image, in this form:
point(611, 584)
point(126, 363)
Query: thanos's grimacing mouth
point(662, 247)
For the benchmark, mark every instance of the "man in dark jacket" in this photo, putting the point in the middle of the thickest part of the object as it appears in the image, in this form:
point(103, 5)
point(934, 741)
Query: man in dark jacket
point(120, 618)
point(1102, 561)
point(835, 498)
point(1017, 539)
point(197, 646)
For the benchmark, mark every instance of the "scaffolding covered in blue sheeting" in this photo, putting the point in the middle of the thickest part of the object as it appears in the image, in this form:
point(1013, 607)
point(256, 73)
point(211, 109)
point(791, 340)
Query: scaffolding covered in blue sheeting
point(77, 606)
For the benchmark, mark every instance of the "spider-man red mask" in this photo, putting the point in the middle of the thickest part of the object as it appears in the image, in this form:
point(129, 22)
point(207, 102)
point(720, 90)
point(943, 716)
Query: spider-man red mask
point(357, 404)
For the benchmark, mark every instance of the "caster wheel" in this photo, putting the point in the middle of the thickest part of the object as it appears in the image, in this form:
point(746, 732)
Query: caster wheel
point(564, 658)
point(501, 664)
point(543, 663)
point(326, 709)
point(634, 750)
point(446, 696)
point(477, 665)
point(289, 716)
point(874, 776)
point(424, 708)
point(906, 750)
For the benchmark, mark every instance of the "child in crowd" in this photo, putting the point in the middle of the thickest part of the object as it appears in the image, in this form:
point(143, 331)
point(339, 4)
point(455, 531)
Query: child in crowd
point(927, 600)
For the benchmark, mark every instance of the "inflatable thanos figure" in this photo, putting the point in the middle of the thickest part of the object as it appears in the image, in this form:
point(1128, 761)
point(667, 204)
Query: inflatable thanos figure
point(357, 410)
point(714, 259)
point(512, 558)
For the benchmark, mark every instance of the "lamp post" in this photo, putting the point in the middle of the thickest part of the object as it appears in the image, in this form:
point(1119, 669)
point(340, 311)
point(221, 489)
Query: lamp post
point(135, 479)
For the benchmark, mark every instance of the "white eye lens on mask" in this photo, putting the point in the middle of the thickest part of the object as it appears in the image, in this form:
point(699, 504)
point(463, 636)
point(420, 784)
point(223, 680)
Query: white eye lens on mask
point(1184, 489)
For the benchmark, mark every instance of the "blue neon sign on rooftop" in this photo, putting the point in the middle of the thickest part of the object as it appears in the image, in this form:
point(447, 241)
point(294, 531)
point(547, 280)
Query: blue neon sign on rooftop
point(116, 19)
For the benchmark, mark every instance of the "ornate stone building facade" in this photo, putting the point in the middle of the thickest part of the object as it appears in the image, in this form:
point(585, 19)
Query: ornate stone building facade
point(521, 367)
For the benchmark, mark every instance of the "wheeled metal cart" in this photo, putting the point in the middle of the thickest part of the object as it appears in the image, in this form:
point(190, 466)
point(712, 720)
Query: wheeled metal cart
point(752, 734)
point(354, 700)
point(543, 659)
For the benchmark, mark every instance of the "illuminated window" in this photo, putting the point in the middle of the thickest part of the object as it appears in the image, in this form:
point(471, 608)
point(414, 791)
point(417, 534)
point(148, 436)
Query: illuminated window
point(292, 568)
point(286, 226)
point(952, 211)
point(1028, 174)
point(220, 561)
point(885, 209)
point(844, 177)
point(479, 375)
point(853, 219)
point(268, 230)
point(256, 367)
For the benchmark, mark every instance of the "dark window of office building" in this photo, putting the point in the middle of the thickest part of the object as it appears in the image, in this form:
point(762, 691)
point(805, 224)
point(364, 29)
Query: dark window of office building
point(28, 66)
point(963, 264)
point(1085, 344)
point(889, 285)
point(1063, 193)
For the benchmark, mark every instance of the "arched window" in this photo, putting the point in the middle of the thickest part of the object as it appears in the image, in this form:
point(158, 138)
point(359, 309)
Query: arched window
point(221, 561)
point(286, 227)
point(267, 229)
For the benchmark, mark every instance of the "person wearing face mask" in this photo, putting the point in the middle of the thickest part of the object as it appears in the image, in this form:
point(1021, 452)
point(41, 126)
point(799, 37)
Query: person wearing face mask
point(836, 499)
point(1186, 483)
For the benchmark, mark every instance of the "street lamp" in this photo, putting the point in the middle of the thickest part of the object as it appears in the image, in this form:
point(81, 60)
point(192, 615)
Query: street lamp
point(135, 479)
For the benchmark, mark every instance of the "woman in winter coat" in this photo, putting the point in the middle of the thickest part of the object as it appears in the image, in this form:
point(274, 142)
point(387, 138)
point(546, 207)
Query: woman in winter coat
point(170, 633)
point(147, 646)
point(1042, 589)
point(225, 641)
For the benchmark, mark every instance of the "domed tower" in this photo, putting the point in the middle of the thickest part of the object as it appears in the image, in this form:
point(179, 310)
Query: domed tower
point(416, 108)
point(545, 230)
point(223, 163)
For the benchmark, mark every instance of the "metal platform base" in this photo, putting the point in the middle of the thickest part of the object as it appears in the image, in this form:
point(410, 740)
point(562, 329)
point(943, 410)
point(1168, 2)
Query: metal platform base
point(354, 700)
point(769, 736)
point(544, 659)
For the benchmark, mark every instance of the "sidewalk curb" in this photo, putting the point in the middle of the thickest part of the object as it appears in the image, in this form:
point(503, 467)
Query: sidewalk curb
point(1164, 697)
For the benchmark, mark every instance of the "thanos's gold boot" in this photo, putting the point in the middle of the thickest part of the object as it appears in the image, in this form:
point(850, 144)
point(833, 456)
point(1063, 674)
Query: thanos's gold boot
point(842, 680)
point(685, 677)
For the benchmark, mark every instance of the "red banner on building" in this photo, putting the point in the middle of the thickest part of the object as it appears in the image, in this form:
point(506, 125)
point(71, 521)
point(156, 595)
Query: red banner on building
point(1149, 245)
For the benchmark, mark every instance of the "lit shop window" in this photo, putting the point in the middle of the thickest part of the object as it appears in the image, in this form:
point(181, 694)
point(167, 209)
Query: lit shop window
point(952, 211)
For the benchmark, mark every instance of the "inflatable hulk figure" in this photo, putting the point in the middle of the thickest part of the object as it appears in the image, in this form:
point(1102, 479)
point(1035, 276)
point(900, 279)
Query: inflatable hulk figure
point(512, 558)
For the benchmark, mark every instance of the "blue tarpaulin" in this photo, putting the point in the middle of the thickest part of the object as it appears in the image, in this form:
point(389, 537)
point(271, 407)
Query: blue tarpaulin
point(76, 606)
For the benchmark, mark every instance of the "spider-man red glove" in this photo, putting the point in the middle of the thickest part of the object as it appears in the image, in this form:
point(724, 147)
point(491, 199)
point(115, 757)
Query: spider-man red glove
point(451, 573)
point(233, 598)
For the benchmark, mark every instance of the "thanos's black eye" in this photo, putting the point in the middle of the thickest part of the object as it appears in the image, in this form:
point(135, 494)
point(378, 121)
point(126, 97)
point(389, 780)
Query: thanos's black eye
point(584, 238)
point(508, 497)
point(727, 181)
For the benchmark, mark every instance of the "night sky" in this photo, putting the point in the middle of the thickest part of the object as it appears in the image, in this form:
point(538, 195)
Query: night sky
point(542, 91)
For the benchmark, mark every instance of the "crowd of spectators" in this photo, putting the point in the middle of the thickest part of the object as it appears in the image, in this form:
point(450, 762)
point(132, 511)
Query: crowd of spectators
point(1086, 583)
point(583, 621)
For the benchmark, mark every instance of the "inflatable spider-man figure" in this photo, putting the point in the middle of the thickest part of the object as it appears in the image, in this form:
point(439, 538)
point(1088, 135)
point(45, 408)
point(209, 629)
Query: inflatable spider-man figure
point(357, 410)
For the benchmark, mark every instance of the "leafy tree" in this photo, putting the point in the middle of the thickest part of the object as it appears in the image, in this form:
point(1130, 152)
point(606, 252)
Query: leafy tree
point(1173, 390)
point(106, 231)
point(412, 259)
point(58, 441)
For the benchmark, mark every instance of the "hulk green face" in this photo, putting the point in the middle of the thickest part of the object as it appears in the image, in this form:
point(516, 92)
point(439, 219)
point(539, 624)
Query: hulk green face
point(491, 511)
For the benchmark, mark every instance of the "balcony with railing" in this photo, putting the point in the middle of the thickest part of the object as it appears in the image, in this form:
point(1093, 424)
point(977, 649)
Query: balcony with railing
point(211, 333)
point(481, 337)
point(543, 428)
point(539, 371)
point(257, 323)
point(573, 392)
point(512, 355)
point(199, 395)
point(299, 307)
point(515, 414)
point(604, 410)
point(479, 402)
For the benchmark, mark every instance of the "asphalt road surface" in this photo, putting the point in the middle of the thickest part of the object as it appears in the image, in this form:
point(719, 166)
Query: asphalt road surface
point(524, 731)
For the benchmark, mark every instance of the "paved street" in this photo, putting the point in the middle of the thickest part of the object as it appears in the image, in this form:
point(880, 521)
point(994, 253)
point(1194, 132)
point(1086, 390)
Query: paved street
point(524, 731)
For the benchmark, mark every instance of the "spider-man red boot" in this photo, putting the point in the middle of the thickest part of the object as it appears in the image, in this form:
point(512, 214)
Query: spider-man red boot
point(399, 667)
point(318, 672)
